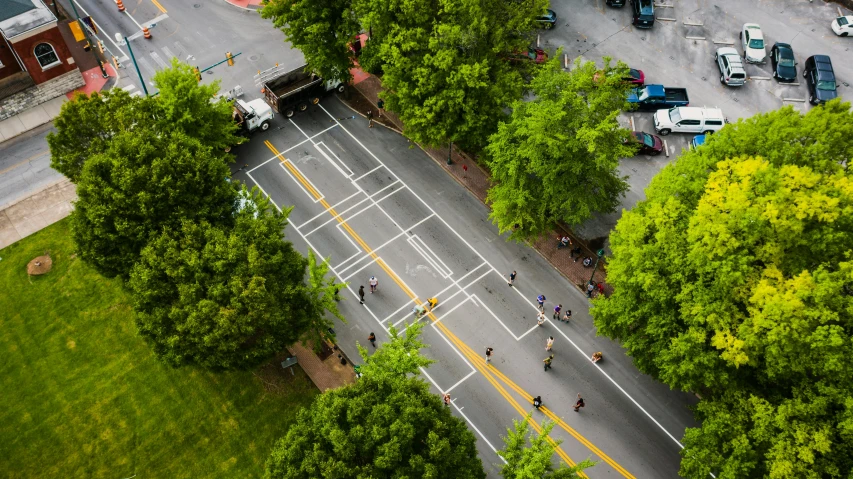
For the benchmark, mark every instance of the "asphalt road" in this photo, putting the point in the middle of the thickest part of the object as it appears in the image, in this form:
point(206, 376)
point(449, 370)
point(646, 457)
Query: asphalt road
point(376, 207)
point(25, 165)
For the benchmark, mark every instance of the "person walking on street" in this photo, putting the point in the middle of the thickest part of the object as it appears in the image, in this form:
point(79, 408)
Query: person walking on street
point(370, 118)
point(447, 399)
point(489, 355)
point(372, 339)
point(433, 302)
point(373, 282)
point(381, 105)
point(557, 309)
point(537, 402)
point(511, 278)
point(568, 315)
point(579, 404)
point(361, 294)
point(590, 287)
point(541, 300)
point(540, 318)
point(549, 343)
point(548, 361)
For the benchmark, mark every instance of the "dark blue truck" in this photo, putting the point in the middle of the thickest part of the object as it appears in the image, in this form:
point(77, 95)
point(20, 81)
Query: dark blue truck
point(657, 97)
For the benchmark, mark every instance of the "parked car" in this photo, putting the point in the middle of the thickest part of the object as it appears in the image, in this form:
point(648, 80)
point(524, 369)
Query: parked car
point(636, 77)
point(689, 119)
point(752, 41)
point(536, 55)
point(820, 79)
point(655, 97)
point(643, 13)
point(547, 20)
point(731, 68)
point(698, 140)
point(782, 59)
point(648, 144)
point(615, 3)
point(843, 26)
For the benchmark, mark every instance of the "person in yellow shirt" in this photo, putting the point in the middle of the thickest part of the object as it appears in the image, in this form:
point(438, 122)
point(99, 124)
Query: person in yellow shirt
point(433, 302)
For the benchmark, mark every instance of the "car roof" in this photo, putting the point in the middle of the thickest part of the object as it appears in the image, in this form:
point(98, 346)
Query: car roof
point(727, 51)
point(756, 29)
point(698, 113)
point(782, 45)
point(647, 6)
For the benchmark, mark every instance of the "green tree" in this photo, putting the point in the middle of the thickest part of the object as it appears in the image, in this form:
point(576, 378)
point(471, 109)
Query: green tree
point(86, 125)
point(387, 424)
point(146, 180)
point(399, 357)
point(556, 158)
point(322, 30)
point(323, 297)
point(536, 460)
point(222, 297)
point(734, 279)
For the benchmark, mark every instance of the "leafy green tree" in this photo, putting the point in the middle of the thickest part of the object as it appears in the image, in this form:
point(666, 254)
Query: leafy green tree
point(733, 279)
point(399, 357)
point(322, 30)
point(86, 125)
point(222, 297)
point(536, 460)
point(556, 158)
point(387, 424)
point(146, 180)
point(323, 297)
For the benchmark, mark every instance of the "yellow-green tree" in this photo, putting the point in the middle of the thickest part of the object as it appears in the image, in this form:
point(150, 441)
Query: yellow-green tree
point(734, 279)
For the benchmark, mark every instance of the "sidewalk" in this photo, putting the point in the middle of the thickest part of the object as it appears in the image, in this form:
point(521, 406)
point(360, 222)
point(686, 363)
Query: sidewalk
point(246, 4)
point(31, 214)
point(326, 373)
point(364, 96)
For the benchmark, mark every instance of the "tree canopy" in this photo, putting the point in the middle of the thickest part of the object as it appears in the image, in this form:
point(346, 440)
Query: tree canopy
point(555, 159)
point(733, 279)
point(222, 297)
point(387, 424)
point(534, 461)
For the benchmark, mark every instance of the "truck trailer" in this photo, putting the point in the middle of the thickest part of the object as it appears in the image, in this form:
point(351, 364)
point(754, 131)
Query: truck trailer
point(294, 90)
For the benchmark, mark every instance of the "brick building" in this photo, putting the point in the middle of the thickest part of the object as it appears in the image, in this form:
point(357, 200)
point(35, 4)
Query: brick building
point(35, 63)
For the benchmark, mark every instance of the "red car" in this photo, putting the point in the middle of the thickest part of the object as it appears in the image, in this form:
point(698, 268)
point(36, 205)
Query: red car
point(648, 144)
point(536, 55)
point(635, 77)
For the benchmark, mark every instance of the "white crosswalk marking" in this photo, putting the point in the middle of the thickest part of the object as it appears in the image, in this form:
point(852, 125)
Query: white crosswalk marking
point(146, 66)
point(168, 53)
point(159, 60)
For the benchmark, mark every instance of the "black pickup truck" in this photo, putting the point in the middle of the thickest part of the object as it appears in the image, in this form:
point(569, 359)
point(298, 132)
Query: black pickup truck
point(657, 97)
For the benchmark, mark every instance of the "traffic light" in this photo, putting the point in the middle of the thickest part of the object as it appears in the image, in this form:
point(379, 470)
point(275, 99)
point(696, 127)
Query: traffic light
point(197, 74)
point(87, 47)
point(101, 46)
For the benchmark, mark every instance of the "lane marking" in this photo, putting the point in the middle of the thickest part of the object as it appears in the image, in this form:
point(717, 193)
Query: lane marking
point(157, 4)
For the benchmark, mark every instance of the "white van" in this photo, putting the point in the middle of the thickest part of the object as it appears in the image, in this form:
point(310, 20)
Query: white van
point(689, 119)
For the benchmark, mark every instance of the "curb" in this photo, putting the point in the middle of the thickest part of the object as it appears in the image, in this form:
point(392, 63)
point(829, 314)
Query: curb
point(374, 121)
point(242, 8)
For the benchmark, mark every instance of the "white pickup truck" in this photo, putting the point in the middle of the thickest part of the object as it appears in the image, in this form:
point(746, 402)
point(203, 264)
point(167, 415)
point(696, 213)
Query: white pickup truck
point(252, 115)
point(689, 119)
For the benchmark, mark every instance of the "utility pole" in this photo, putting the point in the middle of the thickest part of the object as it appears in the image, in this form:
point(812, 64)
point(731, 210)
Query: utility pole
point(599, 254)
point(127, 43)
point(89, 40)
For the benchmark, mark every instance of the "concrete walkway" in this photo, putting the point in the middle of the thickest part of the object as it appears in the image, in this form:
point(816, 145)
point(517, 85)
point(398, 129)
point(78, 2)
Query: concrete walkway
point(25, 217)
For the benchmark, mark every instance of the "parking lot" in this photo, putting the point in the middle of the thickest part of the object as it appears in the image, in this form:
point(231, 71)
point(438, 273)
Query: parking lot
point(679, 52)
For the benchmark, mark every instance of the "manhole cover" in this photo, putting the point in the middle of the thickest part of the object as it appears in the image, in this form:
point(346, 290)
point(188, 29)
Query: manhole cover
point(196, 5)
point(253, 58)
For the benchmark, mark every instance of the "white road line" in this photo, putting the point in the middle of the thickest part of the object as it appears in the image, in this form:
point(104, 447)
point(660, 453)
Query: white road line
point(534, 328)
point(109, 37)
point(299, 183)
point(282, 153)
point(334, 217)
point(326, 211)
point(340, 215)
point(347, 278)
point(368, 173)
point(146, 66)
point(444, 267)
point(329, 159)
point(351, 257)
point(451, 310)
point(336, 156)
point(460, 382)
point(159, 60)
point(397, 311)
point(168, 53)
point(395, 238)
point(157, 19)
point(343, 233)
point(495, 316)
point(424, 255)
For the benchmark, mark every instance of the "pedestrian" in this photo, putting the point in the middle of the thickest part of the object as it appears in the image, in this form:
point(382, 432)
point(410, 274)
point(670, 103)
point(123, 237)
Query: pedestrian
point(577, 251)
point(433, 302)
point(537, 402)
point(547, 362)
point(489, 355)
point(511, 278)
point(373, 283)
point(419, 311)
point(540, 318)
point(589, 289)
point(549, 343)
point(381, 105)
point(541, 300)
point(587, 261)
point(563, 242)
point(568, 315)
point(447, 399)
point(370, 118)
point(579, 404)
point(361, 294)
point(596, 356)
point(557, 309)
point(372, 339)
point(464, 171)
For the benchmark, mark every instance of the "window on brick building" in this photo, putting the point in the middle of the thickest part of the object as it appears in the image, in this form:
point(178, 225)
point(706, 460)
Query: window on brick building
point(46, 55)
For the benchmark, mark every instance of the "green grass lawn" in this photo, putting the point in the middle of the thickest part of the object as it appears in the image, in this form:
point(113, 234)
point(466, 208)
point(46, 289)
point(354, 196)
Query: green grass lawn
point(83, 396)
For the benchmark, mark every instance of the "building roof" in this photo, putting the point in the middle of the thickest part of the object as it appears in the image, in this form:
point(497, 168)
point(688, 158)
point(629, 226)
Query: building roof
point(21, 16)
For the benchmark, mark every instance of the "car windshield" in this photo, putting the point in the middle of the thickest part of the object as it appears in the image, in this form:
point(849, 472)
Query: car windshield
point(786, 61)
point(842, 21)
point(756, 43)
point(633, 74)
point(531, 54)
point(674, 116)
point(826, 85)
point(647, 139)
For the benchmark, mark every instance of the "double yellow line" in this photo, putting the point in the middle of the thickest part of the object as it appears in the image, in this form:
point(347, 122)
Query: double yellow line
point(488, 372)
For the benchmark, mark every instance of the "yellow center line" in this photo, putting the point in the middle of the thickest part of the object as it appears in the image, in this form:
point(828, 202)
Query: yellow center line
point(157, 4)
point(476, 359)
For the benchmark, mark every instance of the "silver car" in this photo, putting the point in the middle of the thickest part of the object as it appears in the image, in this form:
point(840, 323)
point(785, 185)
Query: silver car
point(731, 68)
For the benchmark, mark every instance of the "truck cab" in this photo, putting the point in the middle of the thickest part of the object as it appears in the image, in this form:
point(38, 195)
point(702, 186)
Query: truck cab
point(689, 120)
point(655, 97)
point(252, 115)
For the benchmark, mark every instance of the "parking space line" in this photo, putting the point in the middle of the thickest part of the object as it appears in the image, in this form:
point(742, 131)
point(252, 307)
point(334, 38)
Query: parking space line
point(431, 258)
point(298, 183)
point(369, 173)
point(453, 309)
point(357, 249)
point(460, 381)
point(349, 171)
point(397, 236)
point(495, 316)
point(347, 278)
point(369, 198)
point(326, 211)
